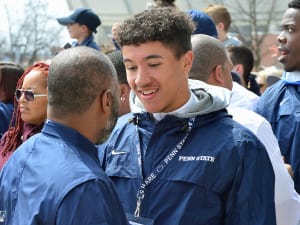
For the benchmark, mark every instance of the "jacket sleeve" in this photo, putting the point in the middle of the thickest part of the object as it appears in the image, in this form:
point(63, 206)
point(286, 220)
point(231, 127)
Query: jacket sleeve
point(5, 117)
point(251, 198)
point(93, 202)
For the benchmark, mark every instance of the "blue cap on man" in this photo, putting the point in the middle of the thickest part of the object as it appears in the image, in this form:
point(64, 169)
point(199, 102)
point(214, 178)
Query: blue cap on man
point(82, 16)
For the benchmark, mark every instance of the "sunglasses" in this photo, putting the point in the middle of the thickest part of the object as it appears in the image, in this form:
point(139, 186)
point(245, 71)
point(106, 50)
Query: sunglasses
point(29, 95)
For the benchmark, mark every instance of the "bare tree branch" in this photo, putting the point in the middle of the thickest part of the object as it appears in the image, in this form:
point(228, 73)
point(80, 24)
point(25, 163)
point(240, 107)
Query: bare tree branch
point(256, 22)
point(31, 37)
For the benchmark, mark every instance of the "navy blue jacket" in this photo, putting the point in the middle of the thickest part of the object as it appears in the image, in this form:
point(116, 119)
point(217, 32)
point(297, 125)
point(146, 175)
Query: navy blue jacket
point(55, 178)
point(6, 111)
point(89, 41)
point(222, 175)
point(280, 105)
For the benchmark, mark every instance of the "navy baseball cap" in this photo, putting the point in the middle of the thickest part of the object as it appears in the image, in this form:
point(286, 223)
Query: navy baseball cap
point(82, 16)
point(204, 23)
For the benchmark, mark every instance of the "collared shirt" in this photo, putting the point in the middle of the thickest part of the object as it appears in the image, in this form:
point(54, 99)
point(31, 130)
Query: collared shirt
point(292, 76)
point(89, 41)
point(55, 178)
point(232, 41)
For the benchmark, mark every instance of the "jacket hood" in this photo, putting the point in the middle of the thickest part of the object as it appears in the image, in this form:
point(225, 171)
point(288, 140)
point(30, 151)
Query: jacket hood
point(209, 99)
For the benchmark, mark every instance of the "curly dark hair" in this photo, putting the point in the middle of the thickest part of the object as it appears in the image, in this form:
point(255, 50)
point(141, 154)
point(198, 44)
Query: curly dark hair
point(294, 4)
point(171, 27)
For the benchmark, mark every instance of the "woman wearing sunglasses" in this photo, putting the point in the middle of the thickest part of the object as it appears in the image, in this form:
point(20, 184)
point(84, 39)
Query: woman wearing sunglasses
point(30, 109)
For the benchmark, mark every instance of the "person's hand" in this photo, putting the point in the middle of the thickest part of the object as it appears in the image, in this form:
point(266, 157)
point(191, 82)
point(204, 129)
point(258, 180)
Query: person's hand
point(288, 167)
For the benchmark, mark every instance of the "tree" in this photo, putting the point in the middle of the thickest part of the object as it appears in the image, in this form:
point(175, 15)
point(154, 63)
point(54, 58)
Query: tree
point(252, 21)
point(30, 35)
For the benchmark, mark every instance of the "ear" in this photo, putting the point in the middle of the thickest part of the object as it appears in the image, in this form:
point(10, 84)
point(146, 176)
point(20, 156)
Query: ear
point(239, 68)
point(106, 101)
point(217, 75)
point(124, 91)
point(84, 28)
point(188, 62)
point(220, 26)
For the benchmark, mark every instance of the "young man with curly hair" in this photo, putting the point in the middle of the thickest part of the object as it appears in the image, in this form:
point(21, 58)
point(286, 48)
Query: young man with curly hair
point(179, 158)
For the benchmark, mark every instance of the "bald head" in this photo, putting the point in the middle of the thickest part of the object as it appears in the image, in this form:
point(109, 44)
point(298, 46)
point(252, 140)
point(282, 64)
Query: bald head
point(76, 77)
point(208, 53)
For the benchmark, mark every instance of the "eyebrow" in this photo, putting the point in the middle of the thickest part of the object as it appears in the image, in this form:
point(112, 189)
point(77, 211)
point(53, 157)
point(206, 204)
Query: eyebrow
point(287, 23)
point(29, 89)
point(146, 58)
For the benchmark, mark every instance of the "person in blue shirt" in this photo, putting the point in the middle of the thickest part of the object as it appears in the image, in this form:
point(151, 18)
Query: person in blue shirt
point(54, 178)
point(222, 19)
point(205, 25)
point(10, 72)
point(178, 158)
point(212, 65)
point(81, 24)
point(280, 103)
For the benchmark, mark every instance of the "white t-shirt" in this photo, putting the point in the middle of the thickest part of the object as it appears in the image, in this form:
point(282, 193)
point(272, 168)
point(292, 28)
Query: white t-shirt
point(241, 97)
point(292, 76)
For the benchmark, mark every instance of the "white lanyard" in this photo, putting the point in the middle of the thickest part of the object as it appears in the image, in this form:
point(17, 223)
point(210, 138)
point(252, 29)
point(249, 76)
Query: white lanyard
point(162, 165)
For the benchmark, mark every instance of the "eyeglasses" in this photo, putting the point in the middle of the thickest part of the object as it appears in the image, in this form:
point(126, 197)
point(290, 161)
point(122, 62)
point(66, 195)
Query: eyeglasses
point(29, 95)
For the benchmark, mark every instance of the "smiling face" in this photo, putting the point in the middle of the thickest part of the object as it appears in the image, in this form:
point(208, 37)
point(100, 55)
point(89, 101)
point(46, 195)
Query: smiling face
point(34, 112)
point(157, 77)
point(289, 44)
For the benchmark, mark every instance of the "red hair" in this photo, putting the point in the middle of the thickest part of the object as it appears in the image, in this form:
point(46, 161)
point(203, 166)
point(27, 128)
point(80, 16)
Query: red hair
point(15, 131)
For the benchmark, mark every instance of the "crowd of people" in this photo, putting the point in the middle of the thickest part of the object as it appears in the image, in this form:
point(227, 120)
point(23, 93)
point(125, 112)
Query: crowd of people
point(171, 127)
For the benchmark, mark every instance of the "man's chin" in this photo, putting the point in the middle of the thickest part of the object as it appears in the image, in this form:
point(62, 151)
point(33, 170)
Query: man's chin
point(103, 137)
point(289, 68)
